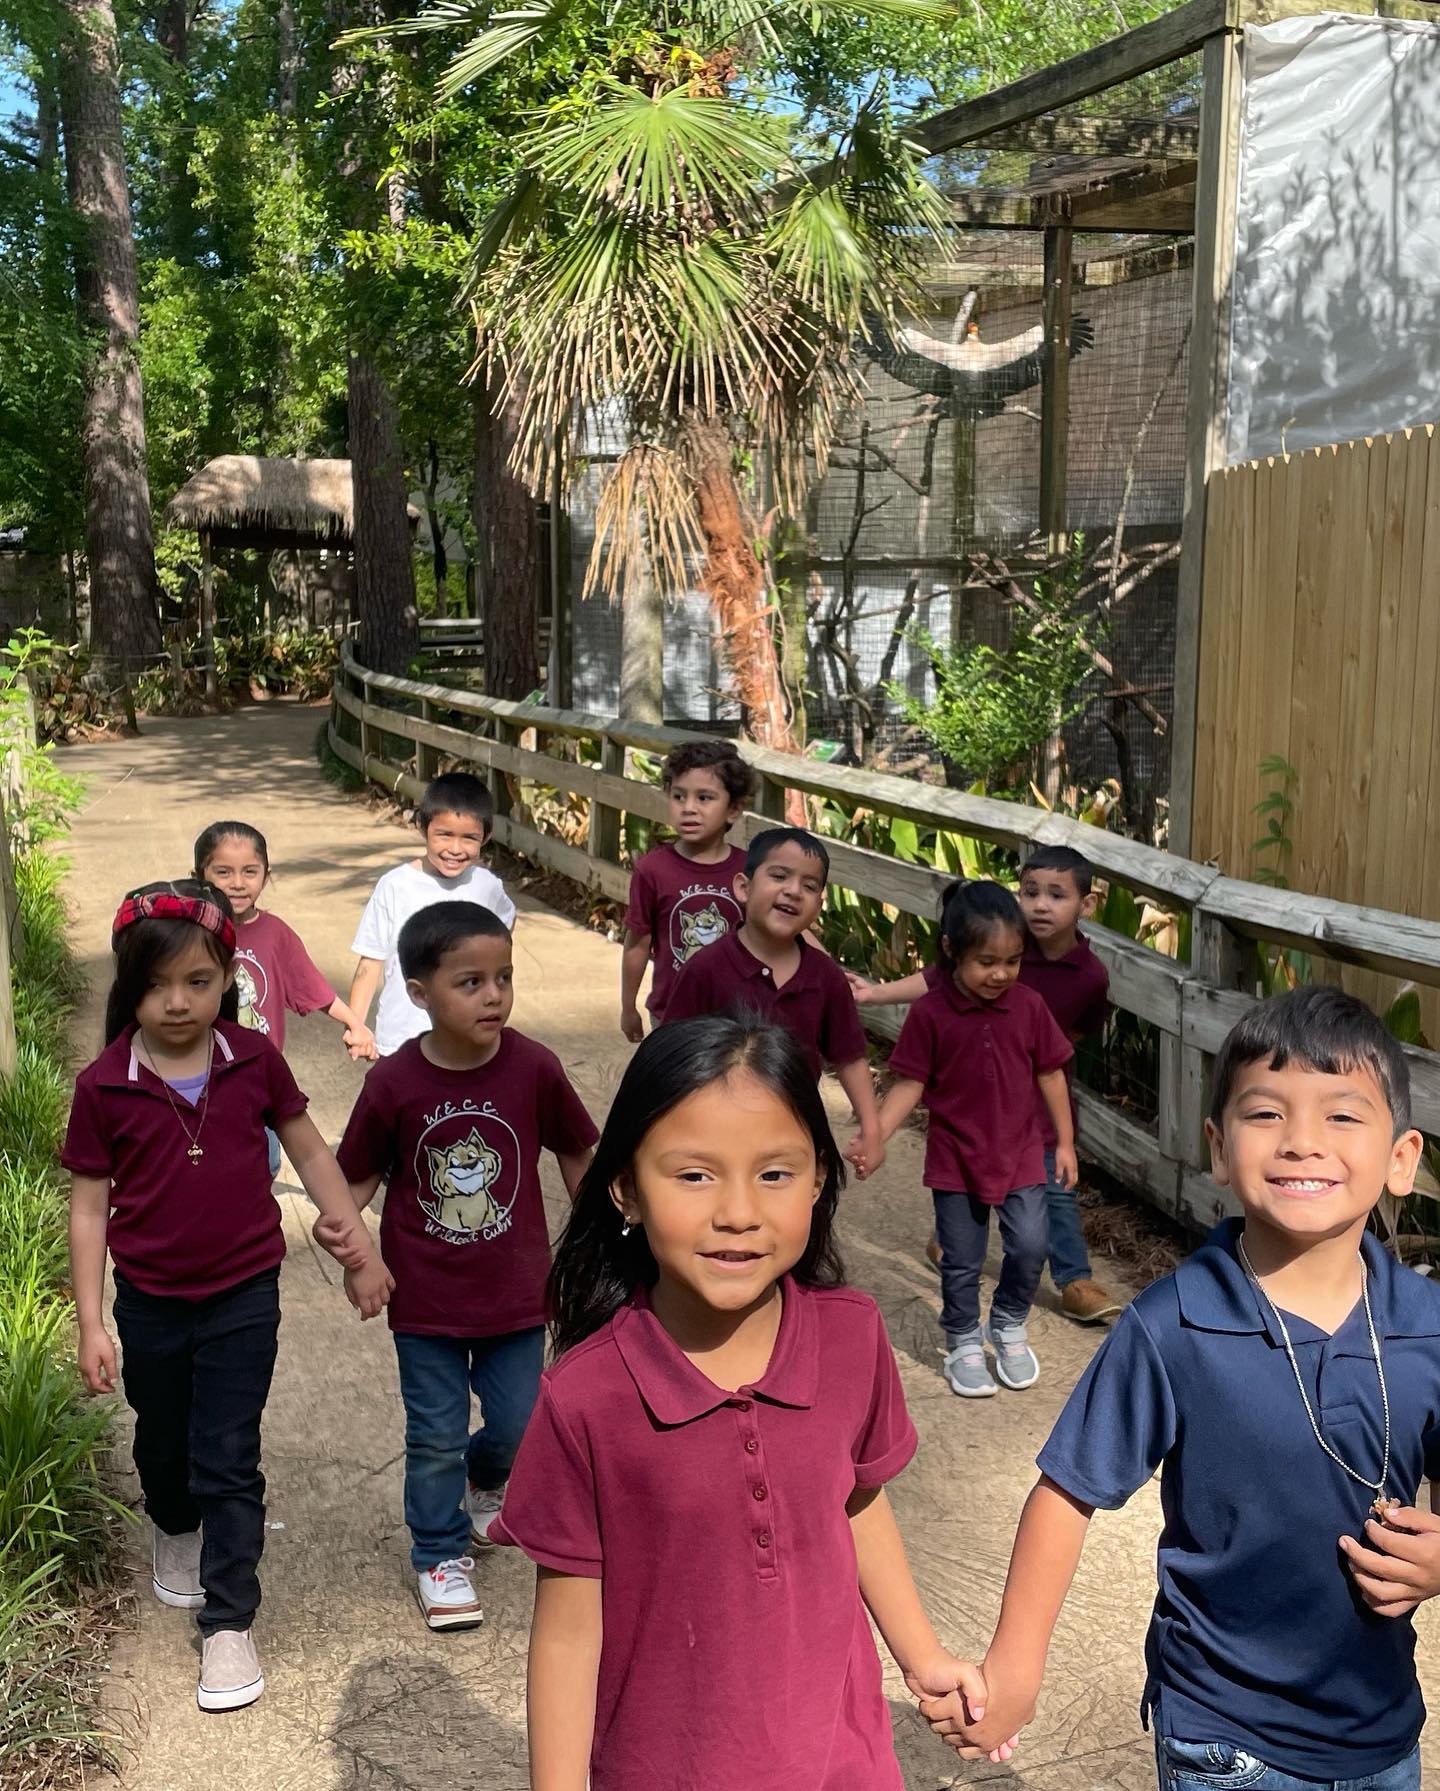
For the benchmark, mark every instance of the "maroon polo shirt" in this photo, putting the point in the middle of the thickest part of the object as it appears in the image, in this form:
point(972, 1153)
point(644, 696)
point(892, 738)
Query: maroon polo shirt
point(176, 1227)
point(816, 1004)
point(978, 1062)
point(737, 1651)
point(273, 972)
point(683, 906)
point(463, 1231)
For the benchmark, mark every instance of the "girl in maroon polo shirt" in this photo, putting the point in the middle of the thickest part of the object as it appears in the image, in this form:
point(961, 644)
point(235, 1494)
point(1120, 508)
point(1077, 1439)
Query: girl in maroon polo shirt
point(701, 1484)
point(167, 1154)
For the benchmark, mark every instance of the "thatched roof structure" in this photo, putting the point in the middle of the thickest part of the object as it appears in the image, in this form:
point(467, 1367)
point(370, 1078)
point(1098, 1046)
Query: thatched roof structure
point(242, 500)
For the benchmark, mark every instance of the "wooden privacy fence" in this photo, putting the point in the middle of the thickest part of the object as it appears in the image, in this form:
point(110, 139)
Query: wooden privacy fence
point(377, 719)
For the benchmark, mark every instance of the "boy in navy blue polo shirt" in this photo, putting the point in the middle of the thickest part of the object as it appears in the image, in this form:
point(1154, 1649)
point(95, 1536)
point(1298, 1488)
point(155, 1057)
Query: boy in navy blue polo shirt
point(1286, 1380)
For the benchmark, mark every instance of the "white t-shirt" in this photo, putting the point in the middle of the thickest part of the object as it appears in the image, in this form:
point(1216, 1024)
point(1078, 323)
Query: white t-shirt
point(399, 894)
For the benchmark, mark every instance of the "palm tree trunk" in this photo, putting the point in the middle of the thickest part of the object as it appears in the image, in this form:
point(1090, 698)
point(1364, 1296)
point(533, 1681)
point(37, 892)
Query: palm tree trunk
point(509, 547)
point(642, 638)
point(119, 537)
point(735, 581)
point(384, 570)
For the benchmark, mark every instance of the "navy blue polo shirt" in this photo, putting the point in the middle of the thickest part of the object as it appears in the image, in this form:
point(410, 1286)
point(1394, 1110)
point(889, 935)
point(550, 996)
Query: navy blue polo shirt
point(1259, 1637)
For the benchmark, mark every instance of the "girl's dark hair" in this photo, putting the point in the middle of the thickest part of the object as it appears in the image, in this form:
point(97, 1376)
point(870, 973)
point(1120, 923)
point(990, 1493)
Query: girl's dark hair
point(229, 830)
point(148, 943)
point(596, 1270)
point(970, 913)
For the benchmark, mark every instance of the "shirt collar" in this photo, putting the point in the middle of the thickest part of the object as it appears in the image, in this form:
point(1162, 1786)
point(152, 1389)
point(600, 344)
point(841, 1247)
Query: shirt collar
point(1215, 1294)
point(124, 1068)
point(751, 966)
point(676, 1392)
point(1073, 958)
point(970, 1004)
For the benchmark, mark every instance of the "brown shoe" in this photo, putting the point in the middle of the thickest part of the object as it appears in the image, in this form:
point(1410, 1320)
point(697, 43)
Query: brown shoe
point(1088, 1303)
point(934, 1255)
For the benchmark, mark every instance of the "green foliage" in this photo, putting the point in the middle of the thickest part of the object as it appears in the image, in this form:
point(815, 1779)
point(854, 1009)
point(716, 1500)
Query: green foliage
point(995, 709)
point(1277, 808)
point(332, 767)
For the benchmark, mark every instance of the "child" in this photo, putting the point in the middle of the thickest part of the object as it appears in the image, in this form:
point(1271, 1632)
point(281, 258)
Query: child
point(766, 965)
point(454, 1123)
point(166, 1149)
point(454, 818)
point(976, 1050)
point(682, 895)
point(1286, 1381)
point(1055, 895)
point(273, 971)
point(701, 1487)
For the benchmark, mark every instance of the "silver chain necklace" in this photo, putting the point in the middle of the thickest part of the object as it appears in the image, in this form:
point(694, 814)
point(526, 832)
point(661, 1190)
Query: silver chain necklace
point(1376, 1486)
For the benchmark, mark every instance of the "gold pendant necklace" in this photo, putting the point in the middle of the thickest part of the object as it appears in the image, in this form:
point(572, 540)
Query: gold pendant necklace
point(194, 1152)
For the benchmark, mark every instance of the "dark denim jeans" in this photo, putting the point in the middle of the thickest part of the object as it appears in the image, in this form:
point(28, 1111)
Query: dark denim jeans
point(1069, 1259)
point(962, 1224)
point(1219, 1766)
point(196, 1373)
point(437, 1377)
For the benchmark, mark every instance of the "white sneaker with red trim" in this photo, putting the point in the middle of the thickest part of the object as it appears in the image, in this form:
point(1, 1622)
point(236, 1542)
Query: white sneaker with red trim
point(446, 1595)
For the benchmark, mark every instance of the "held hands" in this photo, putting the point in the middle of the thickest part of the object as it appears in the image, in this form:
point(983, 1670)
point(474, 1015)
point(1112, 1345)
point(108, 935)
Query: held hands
point(360, 1043)
point(861, 988)
point(954, 1700)
point(1067, 1167)
point(345, 1239)
point(96, 1357)
point(632, 1025)
point(866, 1152)
point(990, 1731)
point(369, 1288)
point(1401, 1566)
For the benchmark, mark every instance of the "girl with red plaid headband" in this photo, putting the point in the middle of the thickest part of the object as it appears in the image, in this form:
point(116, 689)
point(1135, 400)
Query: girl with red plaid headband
point(169, 1174)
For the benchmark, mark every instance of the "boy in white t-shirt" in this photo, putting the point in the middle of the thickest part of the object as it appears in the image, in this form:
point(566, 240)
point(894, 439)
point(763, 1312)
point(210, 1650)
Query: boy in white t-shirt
point(454, 817)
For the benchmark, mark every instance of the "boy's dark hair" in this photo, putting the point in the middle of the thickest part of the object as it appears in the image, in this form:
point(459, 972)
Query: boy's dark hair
point(145, 944)
point(773, 838)
point(1062, 858)
point(220, 831)
point(456, 793)
point(971, 912)
point(596, 1270)
point(719, 756)
point(1320, 1029)
point(434, 931)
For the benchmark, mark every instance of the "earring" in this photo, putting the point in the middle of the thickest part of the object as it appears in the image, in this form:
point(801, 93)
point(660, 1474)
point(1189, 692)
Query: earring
point(625, 1229)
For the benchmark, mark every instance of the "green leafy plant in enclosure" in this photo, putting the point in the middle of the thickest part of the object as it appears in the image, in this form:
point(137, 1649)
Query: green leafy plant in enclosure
point(1277, 808)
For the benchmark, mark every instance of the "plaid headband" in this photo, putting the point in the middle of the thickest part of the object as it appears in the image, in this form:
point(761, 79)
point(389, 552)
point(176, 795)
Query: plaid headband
point(165, 904)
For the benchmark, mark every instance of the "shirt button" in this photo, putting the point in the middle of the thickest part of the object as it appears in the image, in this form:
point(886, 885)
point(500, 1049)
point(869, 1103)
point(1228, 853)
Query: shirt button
point(760, 1493)
point(752, 1446)
point(762, 1540)
point(742, 1405)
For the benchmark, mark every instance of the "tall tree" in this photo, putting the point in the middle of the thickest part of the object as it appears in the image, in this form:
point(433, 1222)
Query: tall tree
point(119, 538)
point(384, 568)
point(507, 544)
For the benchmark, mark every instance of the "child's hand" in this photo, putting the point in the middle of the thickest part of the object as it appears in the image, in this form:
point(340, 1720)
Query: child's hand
point(953, 1698)
point(96, 1356)
point(1401, 1568)
point(368, 1289)
point(346, 1239)
point(632, 1025)
point(995, 1735)
point(1067, 1167)
point(860, 987)
point(360, 1043)
point(866, 1151)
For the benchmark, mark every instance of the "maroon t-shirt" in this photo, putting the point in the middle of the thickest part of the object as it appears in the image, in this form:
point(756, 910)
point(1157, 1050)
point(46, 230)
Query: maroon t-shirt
point(736, 1650)
point(683, 906)
point(978, 1061)
point(463, 1231)
point(816, 1004)
point(177, 1227)
point(273, 972)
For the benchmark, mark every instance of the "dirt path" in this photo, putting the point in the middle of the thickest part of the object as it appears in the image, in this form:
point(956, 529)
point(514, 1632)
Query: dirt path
point(359, 1693)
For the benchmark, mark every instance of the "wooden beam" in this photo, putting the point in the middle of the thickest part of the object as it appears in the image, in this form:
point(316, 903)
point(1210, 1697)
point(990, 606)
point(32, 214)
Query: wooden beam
point(1158, 198)
point(1163, 40)
point(1206, 401)
point(1055, 392)
point(1064, 134)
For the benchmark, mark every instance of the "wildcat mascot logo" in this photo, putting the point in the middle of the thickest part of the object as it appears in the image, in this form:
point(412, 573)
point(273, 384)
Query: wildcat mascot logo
point(466, 1168)
point(693, 927)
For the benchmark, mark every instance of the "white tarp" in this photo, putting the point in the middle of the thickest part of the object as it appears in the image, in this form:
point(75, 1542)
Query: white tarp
point(1335, 328)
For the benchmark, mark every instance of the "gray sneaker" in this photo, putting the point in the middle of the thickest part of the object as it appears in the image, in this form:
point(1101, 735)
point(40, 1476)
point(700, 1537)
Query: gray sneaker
point(230, 1675)
point(966, 1369)
point(1015, 1361)
point(175, 1570)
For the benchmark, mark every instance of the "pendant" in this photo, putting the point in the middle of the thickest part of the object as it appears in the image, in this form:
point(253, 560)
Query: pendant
point(194, 1153)
point(1383, 1506)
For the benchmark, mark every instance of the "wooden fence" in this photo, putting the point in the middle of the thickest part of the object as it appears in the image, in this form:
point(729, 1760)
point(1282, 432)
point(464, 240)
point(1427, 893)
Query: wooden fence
point(398, 731)
point(1320, 645)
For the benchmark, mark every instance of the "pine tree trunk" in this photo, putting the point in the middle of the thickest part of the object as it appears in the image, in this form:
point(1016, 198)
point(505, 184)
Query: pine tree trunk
point(509, 539)
point(384, 571)
point(119, 538)
point(735, 581)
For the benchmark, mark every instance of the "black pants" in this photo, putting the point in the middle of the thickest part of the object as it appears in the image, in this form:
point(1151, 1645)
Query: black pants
point(196, 1374)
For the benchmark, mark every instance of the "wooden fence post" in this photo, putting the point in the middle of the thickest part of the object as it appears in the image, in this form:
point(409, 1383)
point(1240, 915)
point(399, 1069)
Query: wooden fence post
point(505, 735)
point(427, 758)
point(770, 799)
point(605, 820)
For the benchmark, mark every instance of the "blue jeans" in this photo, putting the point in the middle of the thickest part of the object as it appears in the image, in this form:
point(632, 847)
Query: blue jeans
point(437, 1376)
point(1069, 1259)
point(1220, 1766)
point(962, 1224)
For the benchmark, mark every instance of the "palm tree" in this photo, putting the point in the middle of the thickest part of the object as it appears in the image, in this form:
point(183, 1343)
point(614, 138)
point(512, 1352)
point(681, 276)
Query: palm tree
point(680, 249)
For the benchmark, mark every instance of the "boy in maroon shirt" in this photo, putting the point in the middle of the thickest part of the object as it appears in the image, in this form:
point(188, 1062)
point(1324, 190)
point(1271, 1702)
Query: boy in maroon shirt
point(454, 1123)
point(765, 965)
point(682, 894)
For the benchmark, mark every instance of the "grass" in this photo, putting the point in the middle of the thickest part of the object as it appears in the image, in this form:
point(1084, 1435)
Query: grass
point(332, 767)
